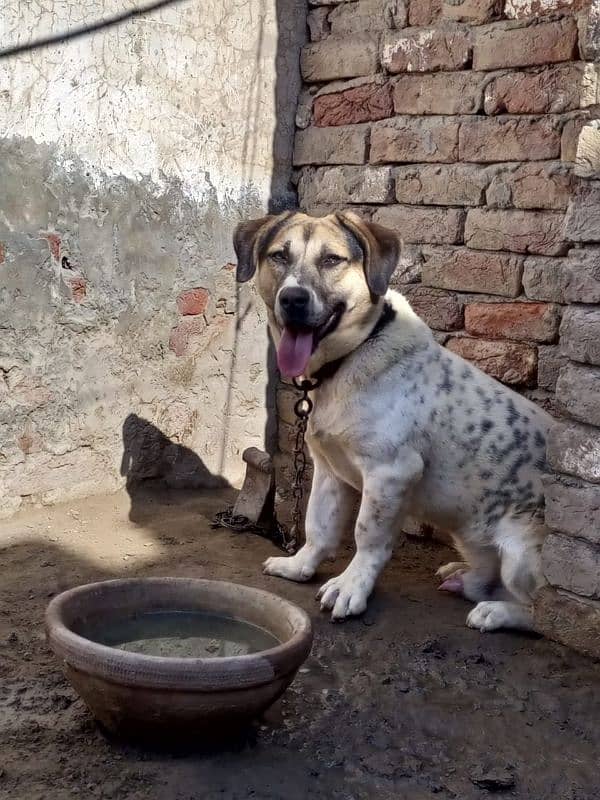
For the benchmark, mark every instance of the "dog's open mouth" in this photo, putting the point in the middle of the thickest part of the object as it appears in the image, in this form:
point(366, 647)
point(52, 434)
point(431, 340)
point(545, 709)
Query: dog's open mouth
point(298, 343)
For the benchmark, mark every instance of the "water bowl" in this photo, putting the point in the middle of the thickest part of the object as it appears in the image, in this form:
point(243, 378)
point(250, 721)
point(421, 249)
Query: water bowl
point(172, 656)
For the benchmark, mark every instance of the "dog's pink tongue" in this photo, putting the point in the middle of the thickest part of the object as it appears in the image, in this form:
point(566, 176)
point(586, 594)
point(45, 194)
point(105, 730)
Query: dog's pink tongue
point(294, 352)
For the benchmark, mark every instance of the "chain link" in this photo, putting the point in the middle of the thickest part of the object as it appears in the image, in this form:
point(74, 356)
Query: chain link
point(302, 410)
point(286, 540)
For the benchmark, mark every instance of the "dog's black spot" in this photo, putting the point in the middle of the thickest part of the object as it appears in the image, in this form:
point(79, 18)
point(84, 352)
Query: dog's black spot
point(468, 410)
point(446, 384)
point(421, 399)
point(500, 437)
point(470, 427)
point(539, 439)
point(520, 437)
point(465, 374)
point(513, 472)
point(513, 415)
point(487, 425)
point(494, 519)
point(486, 474)
point(526, 419)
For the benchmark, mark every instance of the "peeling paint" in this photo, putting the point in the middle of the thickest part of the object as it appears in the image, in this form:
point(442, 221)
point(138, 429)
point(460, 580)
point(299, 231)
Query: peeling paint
point(126, 159)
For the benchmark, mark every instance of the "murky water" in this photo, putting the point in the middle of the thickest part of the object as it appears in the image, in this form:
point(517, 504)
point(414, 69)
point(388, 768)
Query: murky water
point(181, 634)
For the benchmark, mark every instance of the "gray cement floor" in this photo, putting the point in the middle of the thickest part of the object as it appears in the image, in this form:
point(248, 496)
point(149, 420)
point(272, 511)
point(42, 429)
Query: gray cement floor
point(403, 703)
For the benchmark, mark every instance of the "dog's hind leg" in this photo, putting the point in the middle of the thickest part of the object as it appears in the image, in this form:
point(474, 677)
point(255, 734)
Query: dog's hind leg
point(519, 543)
point(477, 576)
point(329, 514)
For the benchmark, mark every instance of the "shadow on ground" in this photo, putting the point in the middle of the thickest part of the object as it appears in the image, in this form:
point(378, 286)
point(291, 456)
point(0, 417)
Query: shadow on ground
point(403, 703)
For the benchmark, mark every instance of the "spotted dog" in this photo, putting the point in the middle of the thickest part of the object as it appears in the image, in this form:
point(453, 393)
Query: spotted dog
point(399, 423)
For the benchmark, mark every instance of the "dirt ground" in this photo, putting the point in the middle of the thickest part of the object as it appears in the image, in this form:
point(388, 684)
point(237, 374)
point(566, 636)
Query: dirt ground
point(403, 703)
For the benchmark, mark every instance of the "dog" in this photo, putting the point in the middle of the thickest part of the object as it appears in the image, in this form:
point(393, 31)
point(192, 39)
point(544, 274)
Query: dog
point(400, 423)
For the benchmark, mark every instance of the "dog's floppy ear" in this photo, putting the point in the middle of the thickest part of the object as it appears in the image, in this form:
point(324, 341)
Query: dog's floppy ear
point(381, 250)
point(246, 240)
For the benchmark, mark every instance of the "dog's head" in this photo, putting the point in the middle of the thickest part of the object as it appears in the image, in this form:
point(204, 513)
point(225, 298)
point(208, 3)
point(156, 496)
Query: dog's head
point(322, 280)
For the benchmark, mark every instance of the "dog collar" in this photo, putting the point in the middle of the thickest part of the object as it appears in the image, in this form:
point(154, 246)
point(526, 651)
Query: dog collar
point(328, 370)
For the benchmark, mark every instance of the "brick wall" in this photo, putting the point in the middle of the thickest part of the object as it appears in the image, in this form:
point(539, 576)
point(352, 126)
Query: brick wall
point(458, 124)
point(569, 609)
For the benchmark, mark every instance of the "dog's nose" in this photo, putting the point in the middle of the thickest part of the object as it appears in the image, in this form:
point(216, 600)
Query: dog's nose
point(294, 300)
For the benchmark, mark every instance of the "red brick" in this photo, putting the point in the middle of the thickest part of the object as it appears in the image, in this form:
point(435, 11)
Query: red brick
point(543, 185)
point(440, 310)
point(423, 12)
point(182, 334)
point(550, 362)
point(439, 93)
point(54, 243)
point(523, 9)
point(582, 276)
point(417, 224)
point(365, 103)
point(550, 91)
point(367, 15)
point(582, 222)
point(570, 136)
point(543, 278)
point(413, 139)
point(193, 301)
point(580, 334)
point(442, 184)
point(510, 362)
point(341, 145)
point(467, 270)
point(474, 11)
point(426, 50)
point(507, 44)
point(340, 57)
point(509, 139)
point(568, 619)
point(533, 321)
point(536, 232)
point(589, 33)
point(78, 288)
point(339, 185)
point(318, 23)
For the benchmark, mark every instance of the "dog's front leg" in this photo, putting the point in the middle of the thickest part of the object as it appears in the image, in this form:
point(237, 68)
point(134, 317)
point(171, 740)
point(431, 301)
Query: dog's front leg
point(385, 490)
point(328, 515)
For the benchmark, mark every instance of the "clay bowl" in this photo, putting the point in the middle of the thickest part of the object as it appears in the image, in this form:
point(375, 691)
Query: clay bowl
point(146, 696)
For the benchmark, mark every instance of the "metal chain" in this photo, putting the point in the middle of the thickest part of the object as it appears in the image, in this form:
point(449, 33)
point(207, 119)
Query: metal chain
point(302, 410)
point(277, 532)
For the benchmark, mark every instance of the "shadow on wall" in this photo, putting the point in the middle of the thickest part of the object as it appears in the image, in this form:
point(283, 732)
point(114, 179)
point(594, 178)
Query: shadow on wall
point(291, 35)
point(152, 462)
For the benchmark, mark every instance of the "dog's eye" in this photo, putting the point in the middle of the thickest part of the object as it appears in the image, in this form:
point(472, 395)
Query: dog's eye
point(331, 260)
point(279, 257)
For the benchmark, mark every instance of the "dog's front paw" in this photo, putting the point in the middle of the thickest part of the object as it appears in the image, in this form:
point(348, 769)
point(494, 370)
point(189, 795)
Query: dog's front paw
point(344, 596)
point(293, 568)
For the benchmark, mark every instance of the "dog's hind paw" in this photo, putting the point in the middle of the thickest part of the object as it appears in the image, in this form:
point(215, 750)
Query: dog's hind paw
point(452, 569)
point(491, 615)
